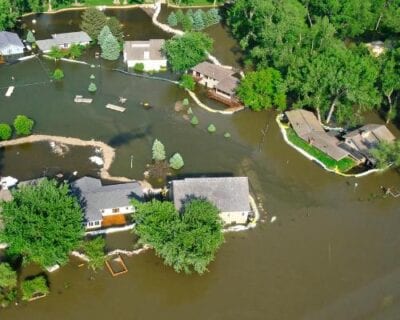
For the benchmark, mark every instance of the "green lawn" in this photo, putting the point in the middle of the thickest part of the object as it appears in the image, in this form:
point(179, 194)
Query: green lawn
point(343, 165)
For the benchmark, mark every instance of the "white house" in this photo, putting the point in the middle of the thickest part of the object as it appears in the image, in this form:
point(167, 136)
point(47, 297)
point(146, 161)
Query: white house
point(148, 53)
point(229, 194)
point(10, 44)
point(64, 40)
point(105, 205)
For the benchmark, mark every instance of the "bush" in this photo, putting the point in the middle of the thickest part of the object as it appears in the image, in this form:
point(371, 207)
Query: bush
point(94, 249)
point(158, 151)
point(190, 111)
point(58, 74)
point(198, 21)
point(5, 131)
point(227, 135)
point(172, 19)
point(92, 87)
point(187, 82)
point(30, 288)
point(211, 128)
point(185, 102)
point(92, 77)
point(30, 37)
point(176, 161)
point(8, 284)
point(75, 51)
point(194, 121)
point(138, 67)
point(23, 125)
point(56, 53)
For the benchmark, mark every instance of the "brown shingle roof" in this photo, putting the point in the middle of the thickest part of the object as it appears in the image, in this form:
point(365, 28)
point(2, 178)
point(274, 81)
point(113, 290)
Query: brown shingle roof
point(213, 71)
point(135, 50)
point(228, 85)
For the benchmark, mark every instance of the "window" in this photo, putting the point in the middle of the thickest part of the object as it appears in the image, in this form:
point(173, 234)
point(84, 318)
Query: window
point(115, 210)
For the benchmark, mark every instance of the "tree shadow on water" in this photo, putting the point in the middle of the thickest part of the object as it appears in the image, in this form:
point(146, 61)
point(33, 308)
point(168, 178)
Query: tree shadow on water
point(125, 137)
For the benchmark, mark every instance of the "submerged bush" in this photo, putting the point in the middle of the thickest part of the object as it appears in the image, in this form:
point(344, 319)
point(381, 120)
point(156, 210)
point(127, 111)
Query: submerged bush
point(35, 286)
point(227, 135)
point(185, 102)
point(92, 87)
point(194, 121)
point(92, 77)
point(58, 74)
point(176, 161)
point(94, 249)
point(5, 131)
point(158, 151)
point(138, 67)
point(23, 125)
point(211, 128)
point(187, 82)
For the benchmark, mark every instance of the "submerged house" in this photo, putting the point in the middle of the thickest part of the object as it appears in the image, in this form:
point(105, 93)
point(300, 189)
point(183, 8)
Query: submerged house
point(308, 128)
point(63, 40)
point(105, 205)
point(11, 45)
point(219, 80)
point(229, 194)
point(363, 139)
point(149, 53)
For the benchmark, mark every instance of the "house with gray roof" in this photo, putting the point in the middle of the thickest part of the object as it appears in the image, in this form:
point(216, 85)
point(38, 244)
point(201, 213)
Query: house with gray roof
point(64, 40)
point(229, 194)
point(10, 45)
point(105, 202)
point(149, 53)
point(363, 139)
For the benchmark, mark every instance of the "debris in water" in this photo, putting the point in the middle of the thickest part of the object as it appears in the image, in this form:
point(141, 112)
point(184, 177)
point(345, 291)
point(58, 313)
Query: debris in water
point(8, 182)
point(75, 173)
point(273, 219)
point(97, 160)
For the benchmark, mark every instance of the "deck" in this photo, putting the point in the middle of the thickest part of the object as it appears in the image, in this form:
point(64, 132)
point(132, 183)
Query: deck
point(231, 103)
point(81, 99)
point(115, 108)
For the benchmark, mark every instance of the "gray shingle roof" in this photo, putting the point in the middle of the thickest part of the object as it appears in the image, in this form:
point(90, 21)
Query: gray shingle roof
point(213, 71)
point(94, 196)
point(46, 45)
point(10, 38)
point(71, 37)
point(135, 50)
point(229, 194)
point(228, 85)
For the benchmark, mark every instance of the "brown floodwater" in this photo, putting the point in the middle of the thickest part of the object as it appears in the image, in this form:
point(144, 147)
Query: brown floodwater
point(332, 253)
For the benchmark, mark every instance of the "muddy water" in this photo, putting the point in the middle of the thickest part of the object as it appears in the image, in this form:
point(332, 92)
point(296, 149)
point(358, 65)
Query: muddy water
point(333, 252)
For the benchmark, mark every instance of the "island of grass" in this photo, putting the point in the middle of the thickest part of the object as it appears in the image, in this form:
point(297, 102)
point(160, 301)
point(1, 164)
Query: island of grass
point(343, 165)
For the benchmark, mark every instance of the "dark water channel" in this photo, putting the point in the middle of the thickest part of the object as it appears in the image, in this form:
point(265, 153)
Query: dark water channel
point(333, 252)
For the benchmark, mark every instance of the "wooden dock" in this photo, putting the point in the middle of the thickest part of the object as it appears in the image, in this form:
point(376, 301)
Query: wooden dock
point(10, 91)
point(81, 99)
point(115, 108)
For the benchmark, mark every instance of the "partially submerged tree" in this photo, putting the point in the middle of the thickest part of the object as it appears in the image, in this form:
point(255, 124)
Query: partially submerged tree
point(30, 37)
point(5, 131)
point(58, 74)
point(116, 29)
point(43, 223)
point(176, 162)
point(104, 33)
point(75, 51)
point(387, 153)
point(30, 288)
point(158, 151)
point(172, 19)
point(8, 15)
point(110, 48)
point(23, 125)
point(93, 21)
point(92, 87)
point(94, 250)
point(187, 82)
point(8, 284)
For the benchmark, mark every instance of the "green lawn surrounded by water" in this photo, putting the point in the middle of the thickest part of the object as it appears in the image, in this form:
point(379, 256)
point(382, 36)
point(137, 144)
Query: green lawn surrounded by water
point(342, 165)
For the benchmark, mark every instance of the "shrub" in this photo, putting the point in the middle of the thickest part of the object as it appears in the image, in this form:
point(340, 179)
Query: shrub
point(75, 51)
point(211, 128)
point(176, 161)
point(92, 77)
point(213, 16)
point(194, 121)
point(5, 131)
point(92, 87)
point(190, 111)
point(23, 125)
point(185, 102)
point(227, 135)
point(30, 288)
point(158, 151)
point(187, 82)
point(172, 19)
point(92, 66)
point(56, 53)
point(138, 67)
point(198, 21)
point(94, 249)
point(58, 74)
point(30, 37)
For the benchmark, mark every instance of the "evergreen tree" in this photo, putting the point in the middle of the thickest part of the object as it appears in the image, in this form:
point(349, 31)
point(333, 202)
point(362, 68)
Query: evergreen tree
point(30, 37)
point(110, 48)
point(176, 161)
point(115, 28)
point(213, 16)
point(172, 19)
point(105, 32)
point(93, 21)
point(158, 151)
point(92, 87)
point(198, 22)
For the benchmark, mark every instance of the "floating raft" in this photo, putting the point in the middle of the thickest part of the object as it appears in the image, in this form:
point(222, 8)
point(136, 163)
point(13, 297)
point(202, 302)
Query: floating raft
point(10, 91)
point(80, 99)
point(115, 108)
point(116, 266)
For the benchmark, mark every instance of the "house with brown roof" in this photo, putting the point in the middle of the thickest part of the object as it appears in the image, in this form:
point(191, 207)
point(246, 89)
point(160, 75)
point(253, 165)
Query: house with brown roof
point(308, 128)
point(363, 139)
point(149, 53)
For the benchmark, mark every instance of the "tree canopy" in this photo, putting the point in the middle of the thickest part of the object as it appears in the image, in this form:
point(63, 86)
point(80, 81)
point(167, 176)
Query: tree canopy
point(184, 52)
point(387, 153)
point(43, 223)
point(187, 241)
point(8, 15)
point(93, 21)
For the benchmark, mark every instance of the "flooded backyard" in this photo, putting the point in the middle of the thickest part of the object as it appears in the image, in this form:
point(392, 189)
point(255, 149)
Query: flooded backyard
point(332, 253)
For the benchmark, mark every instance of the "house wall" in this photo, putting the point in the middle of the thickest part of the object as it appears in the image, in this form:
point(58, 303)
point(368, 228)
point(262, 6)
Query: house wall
point(11, 50)
point(121, 210)
point(235, 217)
point(93, 224)
point(223, 94)
point(149, 65)
point(205, 81)
point(67, 45)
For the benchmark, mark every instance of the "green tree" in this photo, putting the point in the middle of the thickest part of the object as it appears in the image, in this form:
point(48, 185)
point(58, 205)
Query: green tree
point(104, 33)
point(58, 74)
point(176, 161)
point(75, 51)
point(194, 121)
point(187, 82)
point(8, 284)
point(386, 15)
point(5, 131)
point(263, 89)
point(94, 250)
point(213, 16)
point(211, 128)
point(56, 53)
point(30, 37)
point(8, 15)
point(110, 48)
point(387, 153)
point(198, 21)
point(187, 241)
point(158, 150)
point(184, 52)
point(23, 125)
point(116, 29)
point(92, 87)
point(35, 286)
point(93, 21)
point(43, 223)
point(172, 19)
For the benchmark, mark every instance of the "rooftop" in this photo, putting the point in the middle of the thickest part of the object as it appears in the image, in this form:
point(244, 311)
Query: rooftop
point(46, 45)
point(228, 85)
point(228, 194)
point(144, 50)
point(94, 196)
point(9, 38)
point(71, 37)
point(213, 71)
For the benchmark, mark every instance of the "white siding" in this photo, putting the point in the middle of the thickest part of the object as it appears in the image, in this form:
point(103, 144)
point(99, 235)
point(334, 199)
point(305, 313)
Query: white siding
point(93, 224)
point(114, 211)
point(149, 65)
point(206, 81)
point(236, 217)
point(11, 49)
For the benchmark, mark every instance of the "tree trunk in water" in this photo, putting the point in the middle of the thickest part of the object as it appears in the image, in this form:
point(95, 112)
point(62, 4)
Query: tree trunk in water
point(388, 117)
point(331, 110)
point(379, 21)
